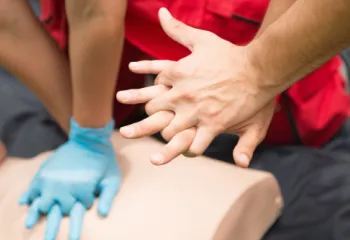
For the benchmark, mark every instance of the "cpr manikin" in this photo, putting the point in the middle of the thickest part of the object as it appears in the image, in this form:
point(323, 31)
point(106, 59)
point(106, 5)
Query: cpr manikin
point(188, 199)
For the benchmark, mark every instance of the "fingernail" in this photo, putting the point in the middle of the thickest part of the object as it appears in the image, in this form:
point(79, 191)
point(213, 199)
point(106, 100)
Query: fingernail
point(165, 14)
point(243, 159)
point(134, 65)
point(157, 158)
point(127, 131)
point(124, 96)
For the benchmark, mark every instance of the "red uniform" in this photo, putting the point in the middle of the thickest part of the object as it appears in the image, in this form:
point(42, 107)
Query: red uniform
point(313, 109)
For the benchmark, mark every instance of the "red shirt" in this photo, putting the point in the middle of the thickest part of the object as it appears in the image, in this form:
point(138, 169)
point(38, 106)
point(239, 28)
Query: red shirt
point(316, 106)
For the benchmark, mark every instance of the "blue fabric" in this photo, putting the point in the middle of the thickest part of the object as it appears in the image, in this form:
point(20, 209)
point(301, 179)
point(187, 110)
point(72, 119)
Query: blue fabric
point(68, 180)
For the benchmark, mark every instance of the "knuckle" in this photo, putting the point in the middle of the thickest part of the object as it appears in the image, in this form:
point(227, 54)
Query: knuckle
point(212, 111)
point(159, 81)
point(188, 136)
point(179, 72)
point(167, 115)
point(188, 94)
point(176, 25)
point(169, 132)
point(139, 128)
point(216, 122)
point(148, 64)
point(161, 88)
point(165, 136)
point(149, 108)
point(135, 94)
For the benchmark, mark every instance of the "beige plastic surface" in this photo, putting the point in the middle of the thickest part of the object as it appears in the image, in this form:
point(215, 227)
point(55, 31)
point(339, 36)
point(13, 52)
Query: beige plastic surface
point(188, 199)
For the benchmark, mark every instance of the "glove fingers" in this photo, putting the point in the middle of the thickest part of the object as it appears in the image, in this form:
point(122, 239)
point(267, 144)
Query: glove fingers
point(34, 188)
point(85, 195)
point(30, 195)
point(109, 190)
point(53, 222)
point(47, 201)
point(33, 214)
point(24, 199)
point(66, 202)
point(87, 200)
point(76, 221)
point(34, 194)
point(113, 174)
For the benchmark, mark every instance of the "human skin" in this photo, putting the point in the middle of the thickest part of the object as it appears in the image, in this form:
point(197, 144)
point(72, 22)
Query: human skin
point(201, 96)
point(94, 64)
point(96, 42)
point(236, 92)
point(29, 53)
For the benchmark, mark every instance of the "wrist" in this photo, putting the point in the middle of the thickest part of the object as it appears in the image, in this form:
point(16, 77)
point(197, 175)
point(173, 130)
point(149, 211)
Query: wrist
point(261, 88)
point(90, 135)
point(88, 118)
point(267, 75)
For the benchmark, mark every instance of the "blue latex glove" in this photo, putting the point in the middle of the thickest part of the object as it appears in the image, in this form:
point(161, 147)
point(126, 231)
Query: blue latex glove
point(68, 181)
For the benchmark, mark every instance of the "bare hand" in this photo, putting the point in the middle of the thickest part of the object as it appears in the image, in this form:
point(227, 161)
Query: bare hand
point(215, 89)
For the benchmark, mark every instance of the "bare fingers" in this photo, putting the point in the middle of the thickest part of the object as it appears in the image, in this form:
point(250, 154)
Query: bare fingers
point(150, 125)
point(177, 145)
point(142, 95)
point(150, 66)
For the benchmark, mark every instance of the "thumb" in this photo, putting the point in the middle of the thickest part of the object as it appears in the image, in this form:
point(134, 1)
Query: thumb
point(247, 143)
point(176, 30)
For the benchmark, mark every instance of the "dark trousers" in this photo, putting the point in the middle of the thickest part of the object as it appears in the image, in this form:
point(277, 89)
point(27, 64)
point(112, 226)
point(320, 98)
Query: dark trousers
point(26, 128)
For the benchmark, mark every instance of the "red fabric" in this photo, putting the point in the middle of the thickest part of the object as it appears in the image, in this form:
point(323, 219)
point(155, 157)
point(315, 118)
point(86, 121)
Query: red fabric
point(318, 102)
point(54, 17)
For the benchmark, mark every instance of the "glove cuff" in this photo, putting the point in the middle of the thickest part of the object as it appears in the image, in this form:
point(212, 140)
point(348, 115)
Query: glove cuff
point(97, 135)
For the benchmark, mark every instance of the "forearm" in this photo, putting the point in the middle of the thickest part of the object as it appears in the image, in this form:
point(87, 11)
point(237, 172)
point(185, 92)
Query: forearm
point(96, 43)
point(303, 38)
point(29, 53)
point(275, 10)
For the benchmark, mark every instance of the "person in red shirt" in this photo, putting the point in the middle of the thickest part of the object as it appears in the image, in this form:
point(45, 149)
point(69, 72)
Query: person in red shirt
point(237, 21)
point(309, 112)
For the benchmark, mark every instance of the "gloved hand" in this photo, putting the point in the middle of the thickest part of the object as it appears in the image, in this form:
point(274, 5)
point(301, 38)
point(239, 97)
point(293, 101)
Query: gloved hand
point(68, 180)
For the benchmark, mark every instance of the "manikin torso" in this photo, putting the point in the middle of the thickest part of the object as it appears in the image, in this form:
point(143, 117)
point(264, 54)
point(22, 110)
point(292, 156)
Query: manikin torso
point(188, 199)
